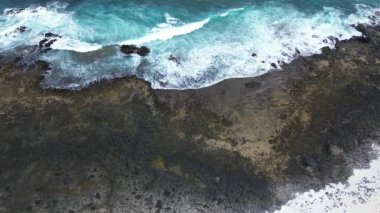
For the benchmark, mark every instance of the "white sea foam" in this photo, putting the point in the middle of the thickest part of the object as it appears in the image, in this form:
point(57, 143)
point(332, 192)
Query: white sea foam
point(230, 11)
point(275, 35)
point(174, 27)
point(361, 193)
point(172, 21)
point(41, 20)
point(75, 45)
point(168, 32)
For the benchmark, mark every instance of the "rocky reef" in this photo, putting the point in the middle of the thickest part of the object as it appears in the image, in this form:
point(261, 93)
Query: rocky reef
point(243, 144)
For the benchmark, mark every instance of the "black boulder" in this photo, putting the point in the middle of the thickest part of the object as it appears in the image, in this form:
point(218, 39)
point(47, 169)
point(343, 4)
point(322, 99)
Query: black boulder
point(143, 51)
point(133, 49)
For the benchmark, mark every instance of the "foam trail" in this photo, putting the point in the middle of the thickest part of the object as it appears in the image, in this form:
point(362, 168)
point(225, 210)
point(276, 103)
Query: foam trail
point(232, 10)
point(168, 33)
point(174, 27)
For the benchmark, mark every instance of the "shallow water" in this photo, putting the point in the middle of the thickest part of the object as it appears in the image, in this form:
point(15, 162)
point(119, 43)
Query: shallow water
point(210, 40)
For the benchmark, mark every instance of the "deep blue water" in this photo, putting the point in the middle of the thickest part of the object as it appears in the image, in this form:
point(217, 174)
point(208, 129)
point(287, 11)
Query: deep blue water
point(211, 40)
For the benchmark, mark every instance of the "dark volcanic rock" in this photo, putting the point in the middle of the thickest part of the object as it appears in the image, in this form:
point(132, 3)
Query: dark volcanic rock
point(361, 28)
point(333, 39)
point(42, 65)
point(50, 42)
point(363, 39)
point(174, 59)
point(298, 52)
point(17, 31)
point(133, 49)
point(21, 29)
point(326, 50)
point(45, 44)
point(42, 42)
point(129, 49)
point(97, 196)
point(122, 146)
point(143, 51)
point(50, 35)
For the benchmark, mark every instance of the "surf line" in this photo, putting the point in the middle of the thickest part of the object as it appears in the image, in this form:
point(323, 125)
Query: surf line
point(171, 32)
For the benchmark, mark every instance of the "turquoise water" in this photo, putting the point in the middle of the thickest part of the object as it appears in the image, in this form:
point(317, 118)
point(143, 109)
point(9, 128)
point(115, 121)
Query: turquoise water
point(211, 40)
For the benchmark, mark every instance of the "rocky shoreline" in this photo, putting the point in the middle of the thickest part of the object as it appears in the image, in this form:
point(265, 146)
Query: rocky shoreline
point(240, 145)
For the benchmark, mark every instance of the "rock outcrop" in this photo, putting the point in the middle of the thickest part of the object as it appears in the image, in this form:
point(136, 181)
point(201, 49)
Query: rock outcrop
point(48, 40)
point(132, 49)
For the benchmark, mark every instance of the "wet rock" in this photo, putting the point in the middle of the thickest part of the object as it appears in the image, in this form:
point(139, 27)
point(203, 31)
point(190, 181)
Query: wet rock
point(42, 65)
point(46, 43)
point(17, 31)
point(374, 18)
point(298, 52)
point(362, 39)
point(42, 43)
point(97, 195)
point(361, 28)
point(129, 49)
point(50, 35)
point(309, 162)
point(143, 51)
point(333, 39)
point(17, 59)
point(326, 50)
point(133, 49)
point(274, 65)
point(21, 29)
point(44, 50)
point(174, 59)
point(49, 43)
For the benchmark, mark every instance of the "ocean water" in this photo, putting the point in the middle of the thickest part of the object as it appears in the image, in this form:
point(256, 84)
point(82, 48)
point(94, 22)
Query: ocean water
point(210, 40)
